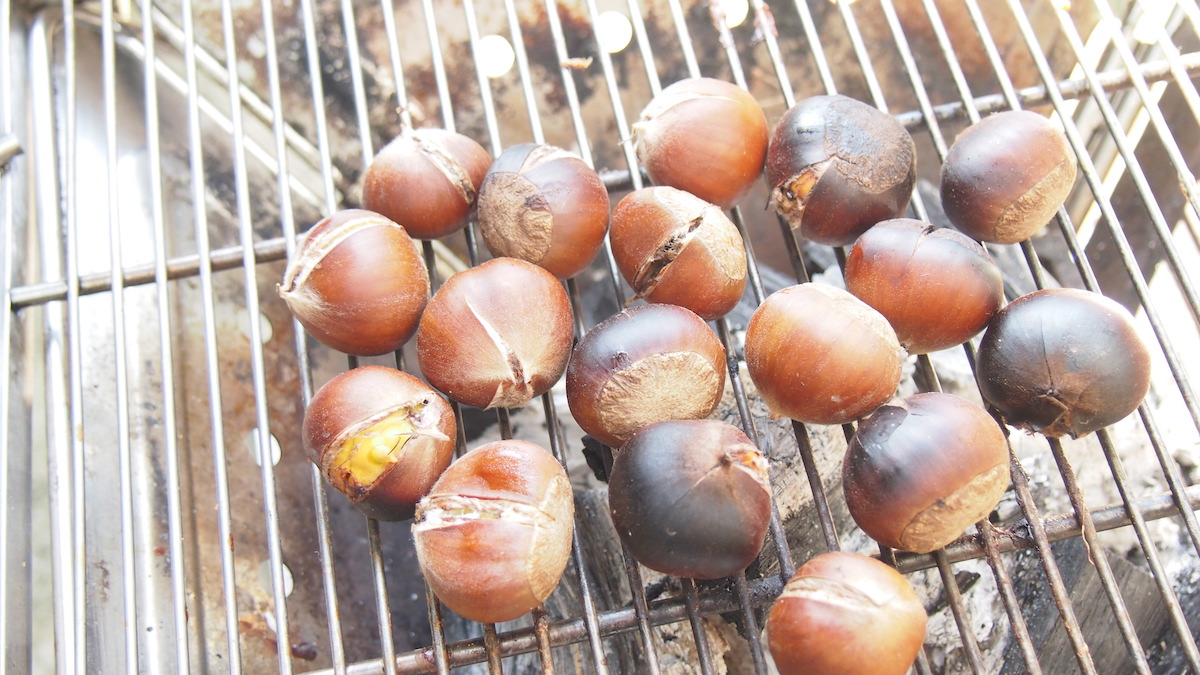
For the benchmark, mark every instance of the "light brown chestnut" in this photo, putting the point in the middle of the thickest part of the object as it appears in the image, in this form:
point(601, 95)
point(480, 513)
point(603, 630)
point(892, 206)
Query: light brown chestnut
point(544, 205)
point(496, 335)
point(650, 363)
point(381, 437)
point(426, 180)
point(820, 355)
point(848, 614)
point(1006, 175)
point(705, 136)
point(676, 248)
point(357, 283)
point(921, 470)
point(494, 534)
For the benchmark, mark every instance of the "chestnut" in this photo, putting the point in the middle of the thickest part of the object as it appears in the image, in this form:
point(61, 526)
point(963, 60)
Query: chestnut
point(837, 166)
point(381, 437)
point(544, 205)
point(357, 283)
point(820, 355)
point(691, 498)
point(674, 247)
point(494, 534)
point(1063, 361)
point(1006, 175)
point(496, 335)
point(426, 180)
point(920, 470)
point(937, 287)
point(848, 614)
point(705, 136)
point(649, 363)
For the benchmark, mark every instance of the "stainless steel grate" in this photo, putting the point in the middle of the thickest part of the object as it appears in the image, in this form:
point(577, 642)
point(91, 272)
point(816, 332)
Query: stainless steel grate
point(160, 514)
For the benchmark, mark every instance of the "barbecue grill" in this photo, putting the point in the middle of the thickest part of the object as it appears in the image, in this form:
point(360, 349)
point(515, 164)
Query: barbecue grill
point(161, 158)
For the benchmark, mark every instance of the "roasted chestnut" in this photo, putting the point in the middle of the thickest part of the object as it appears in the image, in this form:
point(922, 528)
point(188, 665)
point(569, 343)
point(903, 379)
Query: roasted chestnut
point(676, 248)
point(381, 437)
point(837, 166)
point(1006, 175)
point(848, 614)
point(921, 470)
point(426, 180)
point(650, 363)
point(1063, 361)
point(494, 534)
point(705, 136)
point(691, 498)
point(820, 355)
point(496, 335)
point(937, 287)
point(544, 205)
point(357, 283)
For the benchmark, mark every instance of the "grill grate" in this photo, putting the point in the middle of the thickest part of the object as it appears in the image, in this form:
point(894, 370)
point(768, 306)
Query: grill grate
point(166, 516)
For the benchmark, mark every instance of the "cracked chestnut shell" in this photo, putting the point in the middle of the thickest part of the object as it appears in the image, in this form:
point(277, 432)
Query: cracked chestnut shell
point(1063, 362)
point(691, 498)
point(546, 206)
point(381, 437)
point(837, 166)
point(937, 287)
point(357, 283)
point(1006, 175)
point(496, 335)
point(921, 470)
point(676, 248)
point(494, 534)
point(647, 364)
point(848, 614)
point(705, 136)
point(426, 180)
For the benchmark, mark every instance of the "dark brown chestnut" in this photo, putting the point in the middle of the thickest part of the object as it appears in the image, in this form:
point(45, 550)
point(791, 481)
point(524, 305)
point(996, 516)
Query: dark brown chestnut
point(674, 247)
point(650, 363)
point(837, 166)
point(691, 498)
point(426, 180)
point(937, 287)
point(357, 283)
point(705, 136)
point(921, 470)
point(496, 335)
point(1063, 361)
point(1006, 175)
point(494, 534)
point(381, 437)
point(544, 205)
point(820, 355)
point(848, 614)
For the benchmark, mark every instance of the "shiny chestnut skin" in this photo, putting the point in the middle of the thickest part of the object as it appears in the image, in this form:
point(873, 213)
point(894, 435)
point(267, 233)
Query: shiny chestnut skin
point(494, 534)
point(426, 180)
point(496, 335)
point(937, 287)
point(920, 470)
point(691, 498)
point(674, 247)
point(381, 437)
point(1063, 361)
point(820, 355)
point(705, 136)
point(357, 283)
point(544, 205)
point(837, 166)
point(848, 614)
point(649, 363)
point(1006, 175)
